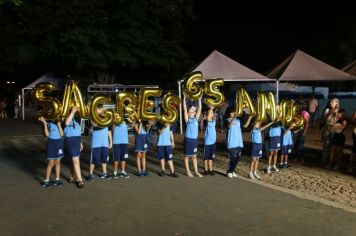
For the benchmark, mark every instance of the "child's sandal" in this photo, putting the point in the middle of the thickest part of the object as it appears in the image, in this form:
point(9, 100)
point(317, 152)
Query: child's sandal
point(71, 181)
point(80, 184)
point(189, 174)
point(198, 175)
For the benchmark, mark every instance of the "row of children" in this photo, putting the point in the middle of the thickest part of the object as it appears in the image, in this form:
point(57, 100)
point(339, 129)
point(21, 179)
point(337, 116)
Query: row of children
point(234, 141)
point(103, 140)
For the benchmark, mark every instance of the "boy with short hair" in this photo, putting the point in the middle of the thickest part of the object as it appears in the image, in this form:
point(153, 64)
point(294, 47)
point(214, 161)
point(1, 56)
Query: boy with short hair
point(121, 149)
point(101, 142)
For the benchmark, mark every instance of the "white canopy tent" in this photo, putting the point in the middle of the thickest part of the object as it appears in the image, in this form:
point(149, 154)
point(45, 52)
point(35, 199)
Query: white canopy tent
point(58, 82)
point(300, 67)
point(217, 65)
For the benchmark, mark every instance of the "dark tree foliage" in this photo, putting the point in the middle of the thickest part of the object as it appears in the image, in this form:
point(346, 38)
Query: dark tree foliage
point(95, 39)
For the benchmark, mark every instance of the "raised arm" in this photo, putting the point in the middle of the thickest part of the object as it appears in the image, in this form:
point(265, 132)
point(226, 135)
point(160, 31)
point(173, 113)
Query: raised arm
point(59, 124)
point(110, 139)
point(45, 128)
point(266, 126)
point(185, 108)
point(248, 121)
point(199, 109)
point(231, 121)
point(138, 126)
point(71, 115)
point(172, 138)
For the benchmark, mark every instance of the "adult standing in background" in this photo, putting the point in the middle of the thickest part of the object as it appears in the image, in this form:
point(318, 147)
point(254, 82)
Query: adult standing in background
point(326, 124)
point(313, 107)
point(3, 112)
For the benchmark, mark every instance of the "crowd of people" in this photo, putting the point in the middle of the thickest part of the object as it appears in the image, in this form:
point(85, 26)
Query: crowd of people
point(277, 143)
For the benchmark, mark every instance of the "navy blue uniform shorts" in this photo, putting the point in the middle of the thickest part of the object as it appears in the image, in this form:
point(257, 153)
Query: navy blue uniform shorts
point(72, 146)
point(286, 149)
point(190, 147)
point(165, 152)
point(141, 144)
point(256, 150)
point(121, 152)
point(209, 151)
point(99, 155)
point(54, 149)
point(275, 143)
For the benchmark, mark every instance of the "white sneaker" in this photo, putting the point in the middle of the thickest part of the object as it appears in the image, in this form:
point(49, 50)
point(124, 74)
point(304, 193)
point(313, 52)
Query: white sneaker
point(229, 175)
point(252, 176)
point(256, 175)
point(275, 168)
point(269, 170)
point(234, 174)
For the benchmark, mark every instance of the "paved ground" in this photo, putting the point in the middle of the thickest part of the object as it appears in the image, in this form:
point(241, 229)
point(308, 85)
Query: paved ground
point(148, 206)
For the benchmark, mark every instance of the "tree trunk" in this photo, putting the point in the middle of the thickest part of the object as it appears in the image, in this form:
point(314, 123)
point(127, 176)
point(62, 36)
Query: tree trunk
point(105, 78)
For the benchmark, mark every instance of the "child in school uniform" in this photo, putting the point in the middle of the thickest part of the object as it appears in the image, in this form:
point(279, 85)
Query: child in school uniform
point(191, 117)
point(274, 146)
point(287, 145)
point(53, 131)
point(101, 142)
point(209, 143)
point(141, 146)
point(121, 149)
point(165, 145)
point(73, 145)
point(256, 147)
point(233, 140)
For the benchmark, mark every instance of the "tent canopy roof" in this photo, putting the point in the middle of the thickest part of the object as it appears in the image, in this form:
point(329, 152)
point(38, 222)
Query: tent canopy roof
point(217, 65)
point(350, 68)
point(58, 82)
point(302, 67)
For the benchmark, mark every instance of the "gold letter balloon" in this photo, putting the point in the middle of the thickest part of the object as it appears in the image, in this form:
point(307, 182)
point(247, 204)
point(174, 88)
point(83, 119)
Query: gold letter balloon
point(51, 105)
point(191, 86)
point(126, 104)
point(131, 108)
point(170, 103)
point(211, 89)
point(266, 105)
point(73, 97)
point(146, 106)
point(242, 101)
point(102, 117)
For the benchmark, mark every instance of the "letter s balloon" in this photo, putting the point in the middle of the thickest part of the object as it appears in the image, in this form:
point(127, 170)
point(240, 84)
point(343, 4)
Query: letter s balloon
point(211, 89)
point(51, 105)
point(170, 102)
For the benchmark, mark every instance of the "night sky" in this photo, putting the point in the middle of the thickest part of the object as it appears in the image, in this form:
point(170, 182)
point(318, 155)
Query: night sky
point(261, 36)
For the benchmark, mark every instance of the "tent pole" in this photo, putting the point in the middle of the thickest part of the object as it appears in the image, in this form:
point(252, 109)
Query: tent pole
point(180, 108)
point(277, 90)
point(23, 103)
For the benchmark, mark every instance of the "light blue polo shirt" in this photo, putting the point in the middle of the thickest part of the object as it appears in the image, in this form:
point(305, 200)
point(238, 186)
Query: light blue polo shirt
point(234, 135)
point(121, 135)
point(100, 137)
point(210, 133)
point(191, 130)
